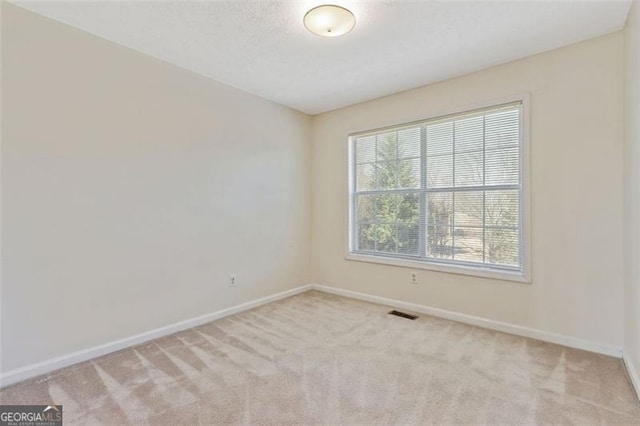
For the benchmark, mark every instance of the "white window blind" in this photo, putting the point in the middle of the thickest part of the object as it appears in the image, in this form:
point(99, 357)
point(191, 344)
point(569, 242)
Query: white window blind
point(446, 191)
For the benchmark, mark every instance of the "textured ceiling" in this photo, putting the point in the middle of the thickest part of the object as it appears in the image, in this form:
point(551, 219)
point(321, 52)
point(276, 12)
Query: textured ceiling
point(263, 47)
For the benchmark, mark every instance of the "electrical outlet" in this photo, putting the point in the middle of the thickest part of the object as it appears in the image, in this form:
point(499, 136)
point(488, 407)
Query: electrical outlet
point(233, 280)
point(414, 277)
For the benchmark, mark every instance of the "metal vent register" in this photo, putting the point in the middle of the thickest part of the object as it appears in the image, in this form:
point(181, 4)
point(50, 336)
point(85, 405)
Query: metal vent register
point(403, 315)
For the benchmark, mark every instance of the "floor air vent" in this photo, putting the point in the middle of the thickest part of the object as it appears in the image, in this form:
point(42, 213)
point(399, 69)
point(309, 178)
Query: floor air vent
point(403, 315)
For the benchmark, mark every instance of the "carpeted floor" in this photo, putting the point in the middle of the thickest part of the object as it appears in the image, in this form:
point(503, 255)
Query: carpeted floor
point(322, 359)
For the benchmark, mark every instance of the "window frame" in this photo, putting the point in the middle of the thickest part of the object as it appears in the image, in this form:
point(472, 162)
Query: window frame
point(522, 275)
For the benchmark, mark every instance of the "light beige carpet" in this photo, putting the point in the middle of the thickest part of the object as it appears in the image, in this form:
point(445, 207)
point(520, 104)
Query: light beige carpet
point(322, 359)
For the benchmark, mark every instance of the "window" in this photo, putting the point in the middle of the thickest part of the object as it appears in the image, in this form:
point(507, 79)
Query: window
point(445, 193)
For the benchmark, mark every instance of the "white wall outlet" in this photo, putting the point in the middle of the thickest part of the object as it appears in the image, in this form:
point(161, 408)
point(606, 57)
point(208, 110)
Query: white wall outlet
point(414, 277)
point(233, 280)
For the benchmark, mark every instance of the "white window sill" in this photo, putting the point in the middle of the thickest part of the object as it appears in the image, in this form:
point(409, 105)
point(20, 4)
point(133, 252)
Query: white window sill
point(452, 269)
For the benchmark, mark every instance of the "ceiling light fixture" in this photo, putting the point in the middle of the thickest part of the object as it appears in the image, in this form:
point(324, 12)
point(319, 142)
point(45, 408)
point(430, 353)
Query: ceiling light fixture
point(329, 20)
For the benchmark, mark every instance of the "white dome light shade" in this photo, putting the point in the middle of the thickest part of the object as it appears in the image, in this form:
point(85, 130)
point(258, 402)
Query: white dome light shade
point(329, 20)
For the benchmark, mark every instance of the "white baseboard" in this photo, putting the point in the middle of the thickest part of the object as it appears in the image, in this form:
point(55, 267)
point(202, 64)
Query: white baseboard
point(573, 342)
point(633, 373)
point(44, 367)
point(50, 365)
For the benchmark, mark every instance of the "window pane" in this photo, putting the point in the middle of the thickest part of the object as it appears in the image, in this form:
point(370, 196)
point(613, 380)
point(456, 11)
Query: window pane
point(440, 171)
point(365, 177)
point(502, 129)
point(501, 246)
point(502, 167)
point(386, 146)
point(409, 173)
point(398, 174)
point(439, 139)
point(366, 237)
point(408, 209)
point(409, 143)
point(469, 134)
point(387, 174)
point(365, 149)
point(392, 223)
point(386, 240)
point(502, 208)
point(439, 242)
point(468, 244)
point(386, 208)
point(468, 209)
point(365, 208)
point(397, 208)
point(469, 169)
point(439, 221)
point(408, 239)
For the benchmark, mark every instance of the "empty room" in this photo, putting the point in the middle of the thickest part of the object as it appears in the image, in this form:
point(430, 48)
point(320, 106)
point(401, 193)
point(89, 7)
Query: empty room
point(301, 212)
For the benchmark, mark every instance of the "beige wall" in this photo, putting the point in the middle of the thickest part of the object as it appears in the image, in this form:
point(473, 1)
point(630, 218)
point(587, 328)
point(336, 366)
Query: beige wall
point(132, 189)
point(577, 137)
point(632, 179)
